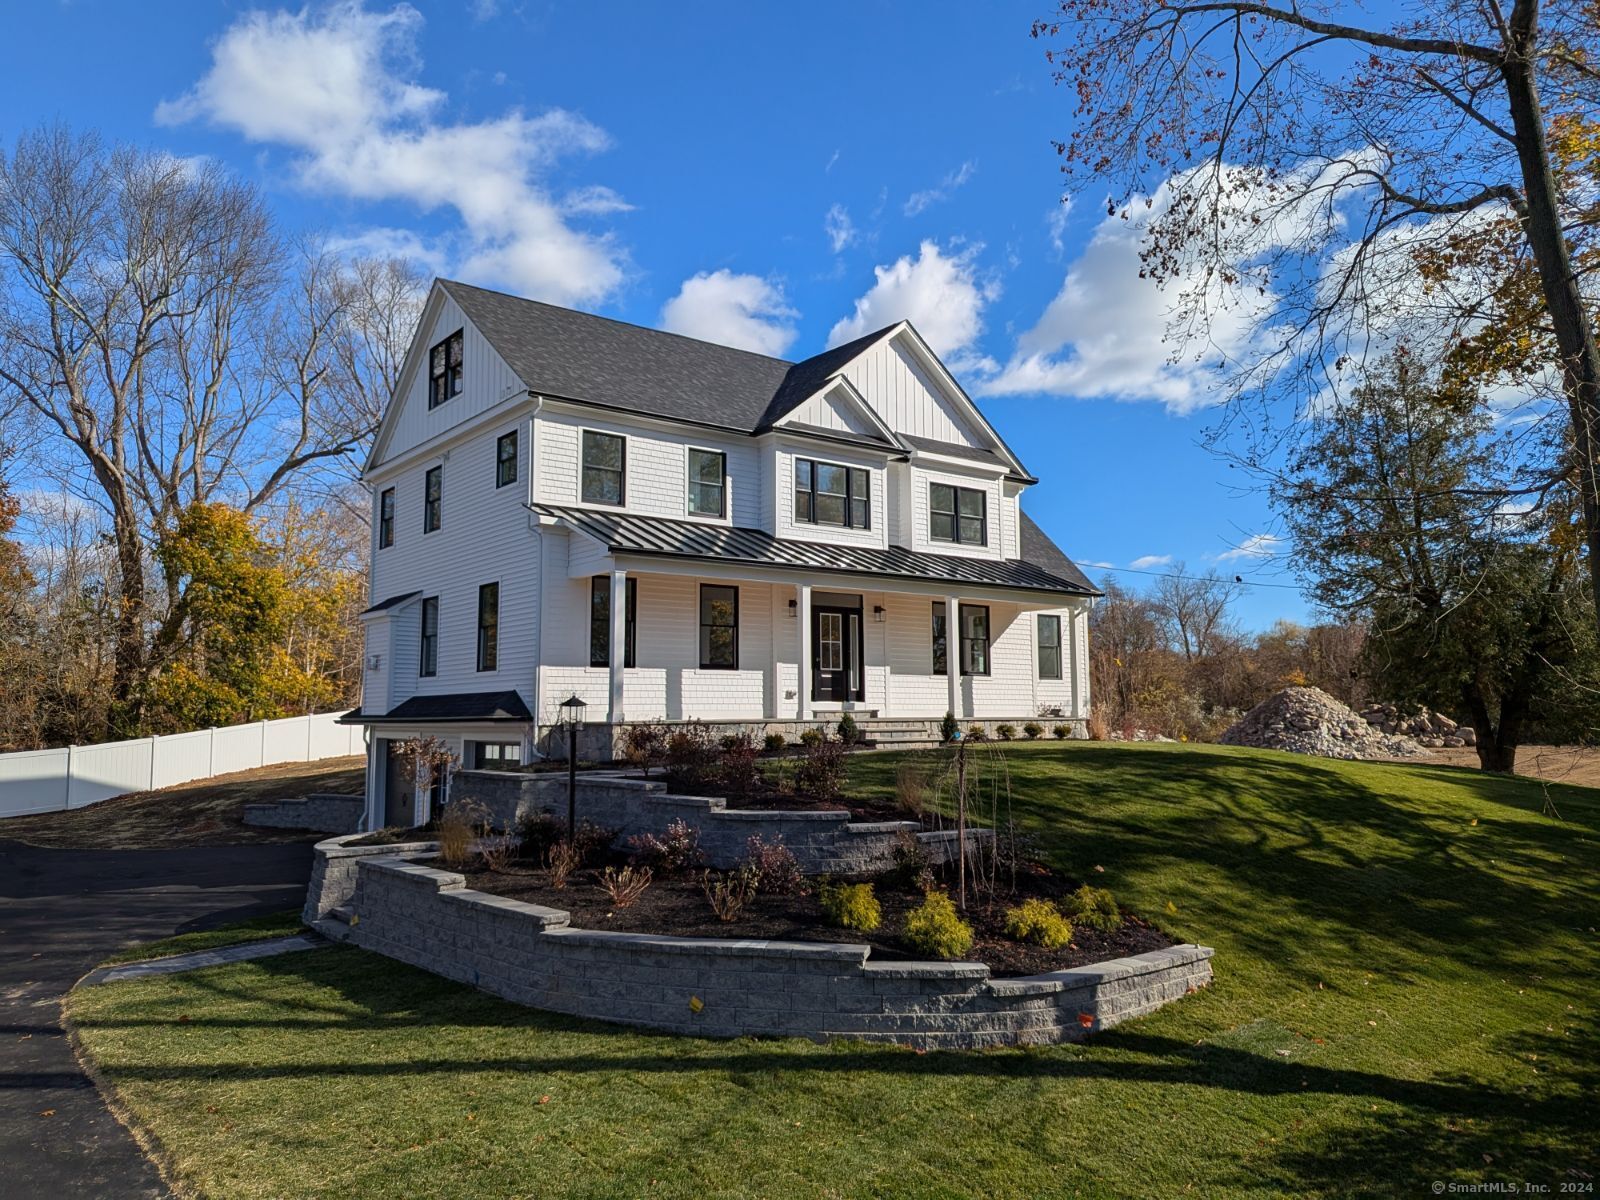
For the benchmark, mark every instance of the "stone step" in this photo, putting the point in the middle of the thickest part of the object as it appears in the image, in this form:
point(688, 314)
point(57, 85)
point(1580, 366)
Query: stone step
point(342, 913)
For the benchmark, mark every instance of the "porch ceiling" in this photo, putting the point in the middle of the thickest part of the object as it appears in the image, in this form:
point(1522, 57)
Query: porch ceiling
point(626, 533)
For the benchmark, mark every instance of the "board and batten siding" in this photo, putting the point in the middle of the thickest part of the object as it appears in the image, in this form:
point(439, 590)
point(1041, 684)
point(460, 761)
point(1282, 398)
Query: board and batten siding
point(485, 382)
point(907, 399)
point(484, 537)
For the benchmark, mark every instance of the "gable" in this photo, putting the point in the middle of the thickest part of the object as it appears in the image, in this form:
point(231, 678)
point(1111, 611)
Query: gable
point(486, 382)
point(840, 408)
point(909, 399)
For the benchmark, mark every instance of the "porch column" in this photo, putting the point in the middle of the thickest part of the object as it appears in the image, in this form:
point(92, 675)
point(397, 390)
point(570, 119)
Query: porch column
point(952, 652)
point(619, 642)
point(802, 614)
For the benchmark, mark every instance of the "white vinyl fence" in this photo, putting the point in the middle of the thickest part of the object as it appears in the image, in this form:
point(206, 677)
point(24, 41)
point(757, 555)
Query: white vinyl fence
point(36, 781)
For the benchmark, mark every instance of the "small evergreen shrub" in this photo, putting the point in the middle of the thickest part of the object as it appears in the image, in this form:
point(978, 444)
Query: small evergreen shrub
point(1093, 908)
point(949, 727)
point(777, 870)
point(1061, 731)
point(1039, 922)
point(1033, 730)
point(811, 737)
point(977, 733)
point(848, 733)
point(934, 928)
point(1005, 731)
point(774, 743)
point(851, 906)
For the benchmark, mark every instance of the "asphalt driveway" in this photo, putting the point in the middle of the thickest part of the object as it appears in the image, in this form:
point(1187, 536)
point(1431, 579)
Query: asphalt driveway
point(61, 912)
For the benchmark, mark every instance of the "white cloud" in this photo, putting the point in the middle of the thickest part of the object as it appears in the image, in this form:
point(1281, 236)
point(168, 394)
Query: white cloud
point(1145, 561)
point(382, 242)
point(735, 310)
point(840, 229)
point(484, 10)
point(1257, 545)
point(1057, 224)
point(337, 87)
point(920, 201)
point(941, 294)
point(1098, 566)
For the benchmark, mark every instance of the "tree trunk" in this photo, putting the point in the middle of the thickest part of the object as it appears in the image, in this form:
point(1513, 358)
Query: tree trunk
point(1541, 220)
point(128, 660)
point(1497, 757)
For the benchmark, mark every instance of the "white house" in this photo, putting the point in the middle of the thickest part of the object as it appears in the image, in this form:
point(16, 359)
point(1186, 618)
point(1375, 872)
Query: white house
point(673, 530)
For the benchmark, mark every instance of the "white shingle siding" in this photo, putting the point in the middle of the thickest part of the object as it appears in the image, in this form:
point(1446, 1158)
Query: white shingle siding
point(788, 527)
point(999, 514)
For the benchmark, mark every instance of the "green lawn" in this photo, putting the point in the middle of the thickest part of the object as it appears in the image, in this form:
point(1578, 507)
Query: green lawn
point(253, 929)
point(1405, 992)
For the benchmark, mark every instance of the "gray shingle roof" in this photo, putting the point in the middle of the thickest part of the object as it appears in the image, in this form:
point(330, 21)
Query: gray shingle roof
point(455, 706)
point(626, 533)
point(391, 602)
point(1043, 553)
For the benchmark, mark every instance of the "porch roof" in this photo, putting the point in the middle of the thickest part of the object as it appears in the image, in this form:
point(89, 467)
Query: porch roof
point(628, 533)
point(455, 706)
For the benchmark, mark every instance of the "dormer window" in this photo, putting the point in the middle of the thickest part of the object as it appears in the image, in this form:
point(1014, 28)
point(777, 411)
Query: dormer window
point(828, 494)
point(444, 369)
point(958, 514)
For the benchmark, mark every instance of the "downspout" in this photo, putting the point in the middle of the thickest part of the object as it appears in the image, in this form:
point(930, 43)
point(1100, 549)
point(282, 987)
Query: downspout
point(538, 535)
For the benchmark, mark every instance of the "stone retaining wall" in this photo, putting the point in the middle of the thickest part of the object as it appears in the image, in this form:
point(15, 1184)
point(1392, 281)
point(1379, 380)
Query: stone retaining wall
point(822, 842)
point(333, 871)
point(325, 812)
point(725, 988)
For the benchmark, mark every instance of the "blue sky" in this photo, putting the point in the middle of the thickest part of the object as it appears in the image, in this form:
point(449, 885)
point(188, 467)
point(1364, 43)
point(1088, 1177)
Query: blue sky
point(776, 176)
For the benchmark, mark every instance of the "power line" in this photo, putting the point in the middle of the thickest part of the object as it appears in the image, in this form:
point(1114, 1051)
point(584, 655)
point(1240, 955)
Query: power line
point(1237, 580)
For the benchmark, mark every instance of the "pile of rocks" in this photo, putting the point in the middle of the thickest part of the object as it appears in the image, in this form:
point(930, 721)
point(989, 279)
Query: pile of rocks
point(1428, 728)
point(1309, 721)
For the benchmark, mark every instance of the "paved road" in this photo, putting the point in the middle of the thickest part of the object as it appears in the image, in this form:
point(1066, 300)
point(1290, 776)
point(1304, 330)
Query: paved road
point(61, 912)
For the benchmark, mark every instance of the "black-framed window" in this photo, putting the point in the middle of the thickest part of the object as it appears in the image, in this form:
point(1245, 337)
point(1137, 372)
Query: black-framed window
point(974, 639)
point(605, 467)
point(505, 459)
point(385, 518)
point(496, 756)
point(958, 514)
point(830, 494)
point(489, 627)
point(708, 473)
point(444, 369)
point(719, 627)
point(432, 499)
point(428, 656)
point(600, 621)
point(1049, 646)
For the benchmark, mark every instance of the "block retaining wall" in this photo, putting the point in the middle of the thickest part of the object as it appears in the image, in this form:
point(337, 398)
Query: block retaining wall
point(823, 842)
point(333, 871)
point(531, 955)
point(325, 812)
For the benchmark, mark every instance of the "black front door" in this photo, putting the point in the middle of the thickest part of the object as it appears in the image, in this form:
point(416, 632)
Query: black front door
point(836, 654)
point(400, 793)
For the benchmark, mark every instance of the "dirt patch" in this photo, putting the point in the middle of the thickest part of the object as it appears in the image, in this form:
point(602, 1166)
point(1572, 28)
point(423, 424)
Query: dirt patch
point(207, 812)
point(1578, 766)
point(678, 906)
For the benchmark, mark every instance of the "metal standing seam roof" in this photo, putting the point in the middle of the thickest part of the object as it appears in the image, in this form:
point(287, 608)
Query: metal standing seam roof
point(627, 533)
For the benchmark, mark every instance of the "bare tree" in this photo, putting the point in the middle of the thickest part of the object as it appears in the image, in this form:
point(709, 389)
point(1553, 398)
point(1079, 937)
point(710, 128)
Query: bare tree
point(1194, 609)
point(1313, 172)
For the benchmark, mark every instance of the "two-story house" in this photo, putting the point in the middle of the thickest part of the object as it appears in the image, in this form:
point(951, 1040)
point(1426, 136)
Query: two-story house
point(674, 530)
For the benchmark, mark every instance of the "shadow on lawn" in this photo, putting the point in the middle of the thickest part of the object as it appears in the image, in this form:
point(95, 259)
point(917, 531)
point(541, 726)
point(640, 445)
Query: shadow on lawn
point(1408, 1133)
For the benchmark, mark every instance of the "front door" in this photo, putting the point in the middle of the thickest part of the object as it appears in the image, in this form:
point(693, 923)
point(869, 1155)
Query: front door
point(399, 792)
point(836, 654)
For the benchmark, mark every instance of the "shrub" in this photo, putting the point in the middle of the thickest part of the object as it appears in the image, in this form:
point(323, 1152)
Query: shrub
point(977, 733)
point(673, 852)
point(851, 906)
point(738, 770)
point(730, 892)
point(1061, 731)
point(455, 832)
point(911, 785)
point(626, 885)
point(820, 773)
point(848, 733)
point(949, 727)
point(1033, 730)
point(933, 927)
point(593, 843)
point(812, 737)
point(539, 831)
point(692, 757)
point(1093, 908)
point(1039, 922)
point(645, 745)
point(777, 870)
point(562, 858)
point(1005, 731)
point(774, 743)
point(913, 865)
point(1099, 731)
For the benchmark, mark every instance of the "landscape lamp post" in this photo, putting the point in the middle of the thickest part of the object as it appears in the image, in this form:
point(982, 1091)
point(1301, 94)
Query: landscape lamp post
point(572, 717)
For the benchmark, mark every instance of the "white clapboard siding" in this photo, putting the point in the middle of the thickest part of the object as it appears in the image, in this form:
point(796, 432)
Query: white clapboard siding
point(38, 781)
point(1000, 514)
point(788, 527)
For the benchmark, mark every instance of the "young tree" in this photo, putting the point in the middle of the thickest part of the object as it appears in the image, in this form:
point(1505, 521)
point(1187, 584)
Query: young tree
point(1394, 515)
point(1312, 170)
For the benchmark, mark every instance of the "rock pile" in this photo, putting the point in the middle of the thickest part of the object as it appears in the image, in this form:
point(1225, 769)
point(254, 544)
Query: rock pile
point(1428, 728)
point(1309, 721)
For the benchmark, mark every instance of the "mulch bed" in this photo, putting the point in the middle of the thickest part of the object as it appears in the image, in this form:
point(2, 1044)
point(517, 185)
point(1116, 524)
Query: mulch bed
point(678, 906)
point(769, 799)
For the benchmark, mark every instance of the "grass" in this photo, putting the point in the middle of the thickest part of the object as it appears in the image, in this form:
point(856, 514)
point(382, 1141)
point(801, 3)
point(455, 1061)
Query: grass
point(1405, 993)
point(207, 812)
point(253, 929)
